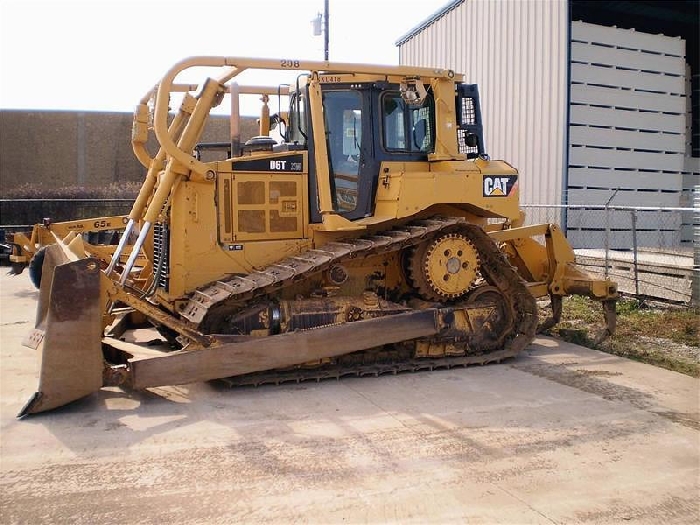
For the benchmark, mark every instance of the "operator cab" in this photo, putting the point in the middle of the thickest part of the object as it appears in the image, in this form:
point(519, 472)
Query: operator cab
point(357, 143)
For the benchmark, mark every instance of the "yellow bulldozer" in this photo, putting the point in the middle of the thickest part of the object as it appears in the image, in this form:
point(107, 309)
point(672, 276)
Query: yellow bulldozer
point(364, 231)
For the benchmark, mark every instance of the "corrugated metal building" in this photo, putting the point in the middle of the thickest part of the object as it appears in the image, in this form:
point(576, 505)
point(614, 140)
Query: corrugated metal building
point(587, 99)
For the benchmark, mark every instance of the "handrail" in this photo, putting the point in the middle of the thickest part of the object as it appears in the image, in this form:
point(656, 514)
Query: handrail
point(240, 64)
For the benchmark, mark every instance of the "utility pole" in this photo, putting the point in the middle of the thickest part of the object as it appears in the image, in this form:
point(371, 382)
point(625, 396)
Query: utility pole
point(320, 25)
point(325, 29)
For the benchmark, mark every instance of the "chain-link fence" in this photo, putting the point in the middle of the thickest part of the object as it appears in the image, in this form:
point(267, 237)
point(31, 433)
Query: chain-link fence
point(648, 251)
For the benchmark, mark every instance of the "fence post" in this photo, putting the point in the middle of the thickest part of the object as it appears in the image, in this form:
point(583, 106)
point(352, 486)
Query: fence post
point(695, 295)
point(607, 238)
point(634, 248)
point(607, 231)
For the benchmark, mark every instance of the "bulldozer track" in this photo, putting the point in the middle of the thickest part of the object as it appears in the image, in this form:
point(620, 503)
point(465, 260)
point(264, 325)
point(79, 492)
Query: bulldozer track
point(300, 375)
point(208, 304)
point(204, 303)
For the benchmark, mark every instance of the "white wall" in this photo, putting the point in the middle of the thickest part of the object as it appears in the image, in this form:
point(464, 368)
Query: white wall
point(517, 52)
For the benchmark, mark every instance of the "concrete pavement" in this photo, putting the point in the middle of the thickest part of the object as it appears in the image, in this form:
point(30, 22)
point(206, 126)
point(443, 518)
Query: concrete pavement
point(561, 434)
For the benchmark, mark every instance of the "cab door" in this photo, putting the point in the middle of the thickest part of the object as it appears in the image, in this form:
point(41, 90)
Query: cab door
point(352, 168)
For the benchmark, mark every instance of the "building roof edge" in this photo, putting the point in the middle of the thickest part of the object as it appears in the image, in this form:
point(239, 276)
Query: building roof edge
point(437, 15)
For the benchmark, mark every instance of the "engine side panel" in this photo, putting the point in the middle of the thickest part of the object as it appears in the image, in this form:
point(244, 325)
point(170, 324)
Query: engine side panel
point(486, 188)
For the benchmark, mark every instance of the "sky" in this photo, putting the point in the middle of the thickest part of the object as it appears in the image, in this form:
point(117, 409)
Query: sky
point(104, 55)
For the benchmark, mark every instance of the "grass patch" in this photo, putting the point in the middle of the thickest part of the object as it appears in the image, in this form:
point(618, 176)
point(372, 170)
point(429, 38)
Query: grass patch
point(664, 336)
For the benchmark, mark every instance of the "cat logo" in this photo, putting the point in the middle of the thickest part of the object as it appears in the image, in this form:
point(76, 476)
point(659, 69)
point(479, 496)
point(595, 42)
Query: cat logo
point(499, 186)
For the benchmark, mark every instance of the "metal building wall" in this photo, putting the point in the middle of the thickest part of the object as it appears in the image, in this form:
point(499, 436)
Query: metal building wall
point(628, 119)
point(517, 52)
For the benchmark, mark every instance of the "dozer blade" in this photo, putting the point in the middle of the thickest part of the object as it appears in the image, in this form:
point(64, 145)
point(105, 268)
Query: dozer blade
point(68, 331)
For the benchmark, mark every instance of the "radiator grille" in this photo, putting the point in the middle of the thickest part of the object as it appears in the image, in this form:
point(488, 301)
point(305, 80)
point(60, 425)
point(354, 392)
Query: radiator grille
point(161, 255)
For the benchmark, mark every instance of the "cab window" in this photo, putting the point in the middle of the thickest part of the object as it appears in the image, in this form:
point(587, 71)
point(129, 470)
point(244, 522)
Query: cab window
point(407, 128)
point(297, 119)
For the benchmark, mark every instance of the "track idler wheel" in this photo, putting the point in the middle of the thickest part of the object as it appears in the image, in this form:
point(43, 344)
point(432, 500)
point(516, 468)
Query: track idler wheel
point(496, 321)
point(444, 268)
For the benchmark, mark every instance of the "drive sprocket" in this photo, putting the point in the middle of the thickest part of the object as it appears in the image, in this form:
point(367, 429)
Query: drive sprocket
point(445, 268)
